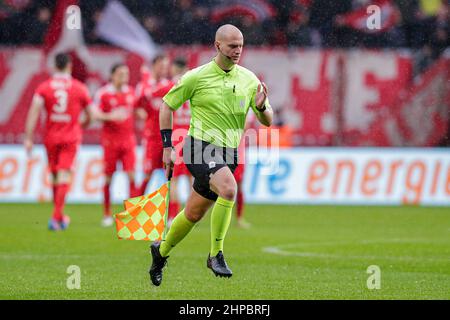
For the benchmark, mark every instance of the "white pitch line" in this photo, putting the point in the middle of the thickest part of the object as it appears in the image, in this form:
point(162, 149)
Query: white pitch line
point(37, 256)
point(279, 251)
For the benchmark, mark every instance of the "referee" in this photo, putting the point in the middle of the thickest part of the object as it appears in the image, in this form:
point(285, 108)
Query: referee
point(221, 93)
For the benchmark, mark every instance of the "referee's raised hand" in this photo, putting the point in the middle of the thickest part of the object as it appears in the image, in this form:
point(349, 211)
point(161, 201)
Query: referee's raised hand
point(261, 96)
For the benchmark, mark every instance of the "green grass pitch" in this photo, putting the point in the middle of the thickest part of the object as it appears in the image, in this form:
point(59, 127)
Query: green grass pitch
point(291, 252)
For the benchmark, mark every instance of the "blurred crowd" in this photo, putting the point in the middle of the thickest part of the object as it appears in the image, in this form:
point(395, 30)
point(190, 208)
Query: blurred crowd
point(317, 23)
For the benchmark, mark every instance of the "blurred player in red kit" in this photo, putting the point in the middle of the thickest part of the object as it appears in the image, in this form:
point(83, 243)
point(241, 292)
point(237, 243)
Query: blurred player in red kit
point(114, 104)
point(181, 119)
point(148, 107)
point(64, 99)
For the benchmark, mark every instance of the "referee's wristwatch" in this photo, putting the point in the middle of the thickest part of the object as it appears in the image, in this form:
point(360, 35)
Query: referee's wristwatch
point(263, 108)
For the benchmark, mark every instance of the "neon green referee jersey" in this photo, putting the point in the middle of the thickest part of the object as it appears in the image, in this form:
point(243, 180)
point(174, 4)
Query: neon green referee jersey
point(219, 102)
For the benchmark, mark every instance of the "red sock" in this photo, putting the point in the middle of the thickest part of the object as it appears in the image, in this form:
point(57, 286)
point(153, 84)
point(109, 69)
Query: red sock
point(133, 190)
point(239, 203)
point(143, 186)
point(60, 198)
point(106, 200)
point(54, 188)
point(174, 208)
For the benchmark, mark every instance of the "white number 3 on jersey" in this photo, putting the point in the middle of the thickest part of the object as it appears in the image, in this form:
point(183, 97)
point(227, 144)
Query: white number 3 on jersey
point(61, 105)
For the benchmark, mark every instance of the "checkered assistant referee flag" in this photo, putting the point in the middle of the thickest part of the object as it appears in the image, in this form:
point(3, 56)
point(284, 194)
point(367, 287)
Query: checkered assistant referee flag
point(145, 217)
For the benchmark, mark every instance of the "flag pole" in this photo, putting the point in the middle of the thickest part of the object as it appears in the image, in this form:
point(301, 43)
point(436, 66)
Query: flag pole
point(166, 214)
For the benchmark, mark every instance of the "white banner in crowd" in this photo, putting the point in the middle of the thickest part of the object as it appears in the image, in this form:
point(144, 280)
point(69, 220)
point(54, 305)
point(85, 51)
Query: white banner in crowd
point(365, 176)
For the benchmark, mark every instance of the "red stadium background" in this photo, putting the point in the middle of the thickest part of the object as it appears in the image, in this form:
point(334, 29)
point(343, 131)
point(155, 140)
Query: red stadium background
point(327, 97)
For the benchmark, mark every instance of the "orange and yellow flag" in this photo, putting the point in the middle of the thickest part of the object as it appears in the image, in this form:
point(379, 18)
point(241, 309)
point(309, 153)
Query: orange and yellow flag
point(145, 217)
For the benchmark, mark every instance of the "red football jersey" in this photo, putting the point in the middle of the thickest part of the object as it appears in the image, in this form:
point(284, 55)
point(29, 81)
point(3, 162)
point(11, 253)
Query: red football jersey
point(64, 99)
point(149, 97)
point(108, 98)
point(181, 117)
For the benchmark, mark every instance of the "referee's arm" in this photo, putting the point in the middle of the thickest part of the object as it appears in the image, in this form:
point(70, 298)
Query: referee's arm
point(165, 117)
point(265, 117)
point(165, 125)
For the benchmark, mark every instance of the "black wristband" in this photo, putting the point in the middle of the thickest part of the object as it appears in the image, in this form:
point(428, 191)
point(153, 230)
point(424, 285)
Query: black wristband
point(262, 109)
point(166, 136)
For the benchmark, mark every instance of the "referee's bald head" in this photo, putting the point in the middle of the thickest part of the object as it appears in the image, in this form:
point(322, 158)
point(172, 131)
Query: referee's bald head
point(227, 32)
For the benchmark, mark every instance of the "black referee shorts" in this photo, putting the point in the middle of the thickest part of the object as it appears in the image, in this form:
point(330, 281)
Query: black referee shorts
point(203, 159)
